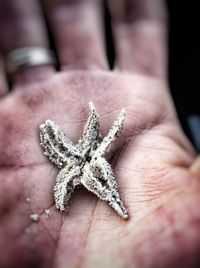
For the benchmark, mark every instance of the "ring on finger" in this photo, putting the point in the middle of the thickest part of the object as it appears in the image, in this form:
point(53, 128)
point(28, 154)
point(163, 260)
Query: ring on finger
point(28, 57)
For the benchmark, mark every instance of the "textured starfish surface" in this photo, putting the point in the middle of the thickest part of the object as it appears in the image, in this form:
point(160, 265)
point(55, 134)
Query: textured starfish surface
point(84, 163)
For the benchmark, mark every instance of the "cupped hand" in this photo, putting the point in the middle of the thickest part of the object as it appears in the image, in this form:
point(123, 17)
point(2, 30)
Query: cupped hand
point(151, 159)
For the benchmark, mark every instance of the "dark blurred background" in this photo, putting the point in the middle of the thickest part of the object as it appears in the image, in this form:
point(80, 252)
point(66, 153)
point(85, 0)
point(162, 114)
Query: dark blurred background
point(184, 64)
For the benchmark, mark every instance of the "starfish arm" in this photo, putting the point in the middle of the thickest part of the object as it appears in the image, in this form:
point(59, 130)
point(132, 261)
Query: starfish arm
point(55, 143)
point(64, 186)
point(110, 195)
point(91, 132)
point(111, 137)
point(101, 168)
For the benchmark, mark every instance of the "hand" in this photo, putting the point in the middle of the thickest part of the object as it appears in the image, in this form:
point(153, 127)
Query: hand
point(151, 159)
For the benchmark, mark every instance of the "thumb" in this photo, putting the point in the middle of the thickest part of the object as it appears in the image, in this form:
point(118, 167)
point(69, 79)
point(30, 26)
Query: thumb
point(195, 167)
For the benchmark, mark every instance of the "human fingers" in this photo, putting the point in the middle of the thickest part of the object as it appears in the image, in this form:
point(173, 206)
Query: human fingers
point(140, 35)
point(22, 26)
point(77, 30)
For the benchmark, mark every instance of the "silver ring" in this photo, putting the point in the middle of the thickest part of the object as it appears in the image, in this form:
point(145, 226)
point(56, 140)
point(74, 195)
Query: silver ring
point(27, 57)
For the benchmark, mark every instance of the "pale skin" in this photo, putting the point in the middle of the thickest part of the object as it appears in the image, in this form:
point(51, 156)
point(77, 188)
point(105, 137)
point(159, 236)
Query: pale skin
point(152, 159)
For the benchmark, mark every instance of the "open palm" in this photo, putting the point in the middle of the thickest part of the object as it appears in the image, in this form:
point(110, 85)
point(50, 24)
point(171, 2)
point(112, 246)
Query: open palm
point(150, 160)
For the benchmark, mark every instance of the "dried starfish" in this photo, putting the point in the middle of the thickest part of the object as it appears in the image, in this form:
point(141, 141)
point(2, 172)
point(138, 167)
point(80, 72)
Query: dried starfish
point(83, 163)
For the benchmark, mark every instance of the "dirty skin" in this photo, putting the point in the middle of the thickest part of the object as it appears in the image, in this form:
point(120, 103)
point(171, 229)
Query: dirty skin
point(161, 194)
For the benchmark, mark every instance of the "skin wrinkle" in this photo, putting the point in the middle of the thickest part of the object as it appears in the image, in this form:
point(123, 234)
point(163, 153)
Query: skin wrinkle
point(16, 167)
point(148, 191)
point(175, 189)
point(102, 89)
point(181, 148)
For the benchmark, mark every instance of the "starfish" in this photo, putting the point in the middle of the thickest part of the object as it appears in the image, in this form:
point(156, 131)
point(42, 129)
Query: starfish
point(84, 163)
